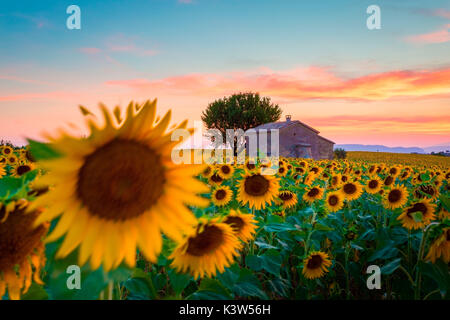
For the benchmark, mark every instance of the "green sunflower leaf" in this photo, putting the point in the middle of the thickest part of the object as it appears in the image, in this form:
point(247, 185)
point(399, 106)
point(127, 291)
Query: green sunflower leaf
point(42, 151)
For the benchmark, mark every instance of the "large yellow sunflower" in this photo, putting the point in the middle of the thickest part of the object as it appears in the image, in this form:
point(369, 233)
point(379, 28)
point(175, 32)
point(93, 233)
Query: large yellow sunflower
point(257, 190)
point(21, 248)
point(351, 190)
point(7, 151)
point(396, 197)
point(288, 198)
point(250, 166)
point(394, 171)
point(426, 191)
point(389, 180)
point(208, 248)
point(312, 194)
point(208, 171)
point(12, 160)
point(282, 171)
point(334, 201)
point(335, 181)
point(118, 189)
point(244, 225)
point(225, 171)
point(221, 196)
point(316, 265)
point(309, 179)
point(440, 247)
point(20, 169)
point(373, 185)
point(215, 179)
point(418, 215)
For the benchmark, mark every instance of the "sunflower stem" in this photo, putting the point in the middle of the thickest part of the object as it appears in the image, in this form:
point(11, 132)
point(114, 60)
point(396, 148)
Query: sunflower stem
point(420, 258)
point(110, 289)
point(430, 294)
point(308, 239)
point(347, 278)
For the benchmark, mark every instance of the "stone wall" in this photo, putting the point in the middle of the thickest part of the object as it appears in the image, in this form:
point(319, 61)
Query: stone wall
point(325, 148)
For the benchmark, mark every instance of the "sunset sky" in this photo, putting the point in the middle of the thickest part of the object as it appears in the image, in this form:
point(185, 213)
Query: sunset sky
point(316, 59)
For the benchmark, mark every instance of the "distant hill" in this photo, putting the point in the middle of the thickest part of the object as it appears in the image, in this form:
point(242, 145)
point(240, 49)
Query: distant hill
point(379, 148)
point(438, 148)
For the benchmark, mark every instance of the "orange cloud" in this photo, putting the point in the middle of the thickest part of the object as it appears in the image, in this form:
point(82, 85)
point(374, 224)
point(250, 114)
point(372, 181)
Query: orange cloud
point(439, 36)
point(301, 84)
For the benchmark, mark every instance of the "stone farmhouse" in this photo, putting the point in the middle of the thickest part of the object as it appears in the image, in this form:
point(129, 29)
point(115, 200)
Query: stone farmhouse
point(299, 140)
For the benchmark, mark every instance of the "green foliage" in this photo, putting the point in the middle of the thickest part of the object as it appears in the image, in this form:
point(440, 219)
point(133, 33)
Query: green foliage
point(240, 111)
point(42, 151)
point(340, 153)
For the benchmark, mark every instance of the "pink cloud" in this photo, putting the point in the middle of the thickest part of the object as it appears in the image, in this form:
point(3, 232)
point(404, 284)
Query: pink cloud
point(122, 43)
point(90, 50)
point(383, 121)
point(438, 36)
point(39, 22)
point(118, 43)
point(441, 13)
point(301, 84)
point(23, 80)
point(54, 95)
point(133, 49)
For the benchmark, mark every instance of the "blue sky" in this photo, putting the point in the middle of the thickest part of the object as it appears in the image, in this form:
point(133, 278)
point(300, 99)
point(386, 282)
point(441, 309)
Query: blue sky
point(160, 39)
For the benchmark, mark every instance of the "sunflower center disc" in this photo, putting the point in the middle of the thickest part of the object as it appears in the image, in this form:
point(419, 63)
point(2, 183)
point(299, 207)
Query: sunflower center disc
point(17, 238)
point(235, 222)
point(313, 192)
point(23, 169)
point(250, 166)
point(256, 185)
point(286, 196)
point(314, 262)
point(226, 169)
point(206, 242)
point(417, 207)
point(333, 200)
point(373, 184)
point(388, 180)
point(121, 180)
point(216, 178)
point(394, 195)
point(220, 194)
point(349, 188)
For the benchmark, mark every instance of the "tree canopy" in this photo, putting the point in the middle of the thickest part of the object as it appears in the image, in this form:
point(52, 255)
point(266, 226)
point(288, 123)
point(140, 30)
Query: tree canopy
point(240, 111)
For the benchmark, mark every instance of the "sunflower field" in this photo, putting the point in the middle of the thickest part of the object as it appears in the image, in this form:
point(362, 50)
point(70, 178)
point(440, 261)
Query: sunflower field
point(114, 206)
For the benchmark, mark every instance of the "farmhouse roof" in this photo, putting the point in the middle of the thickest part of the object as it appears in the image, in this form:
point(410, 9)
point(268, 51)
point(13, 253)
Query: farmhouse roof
point(326, 139)
point(283, 124)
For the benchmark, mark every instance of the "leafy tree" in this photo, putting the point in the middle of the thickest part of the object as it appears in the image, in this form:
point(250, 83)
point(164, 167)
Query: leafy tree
point(340, 153)
point(240, 111)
